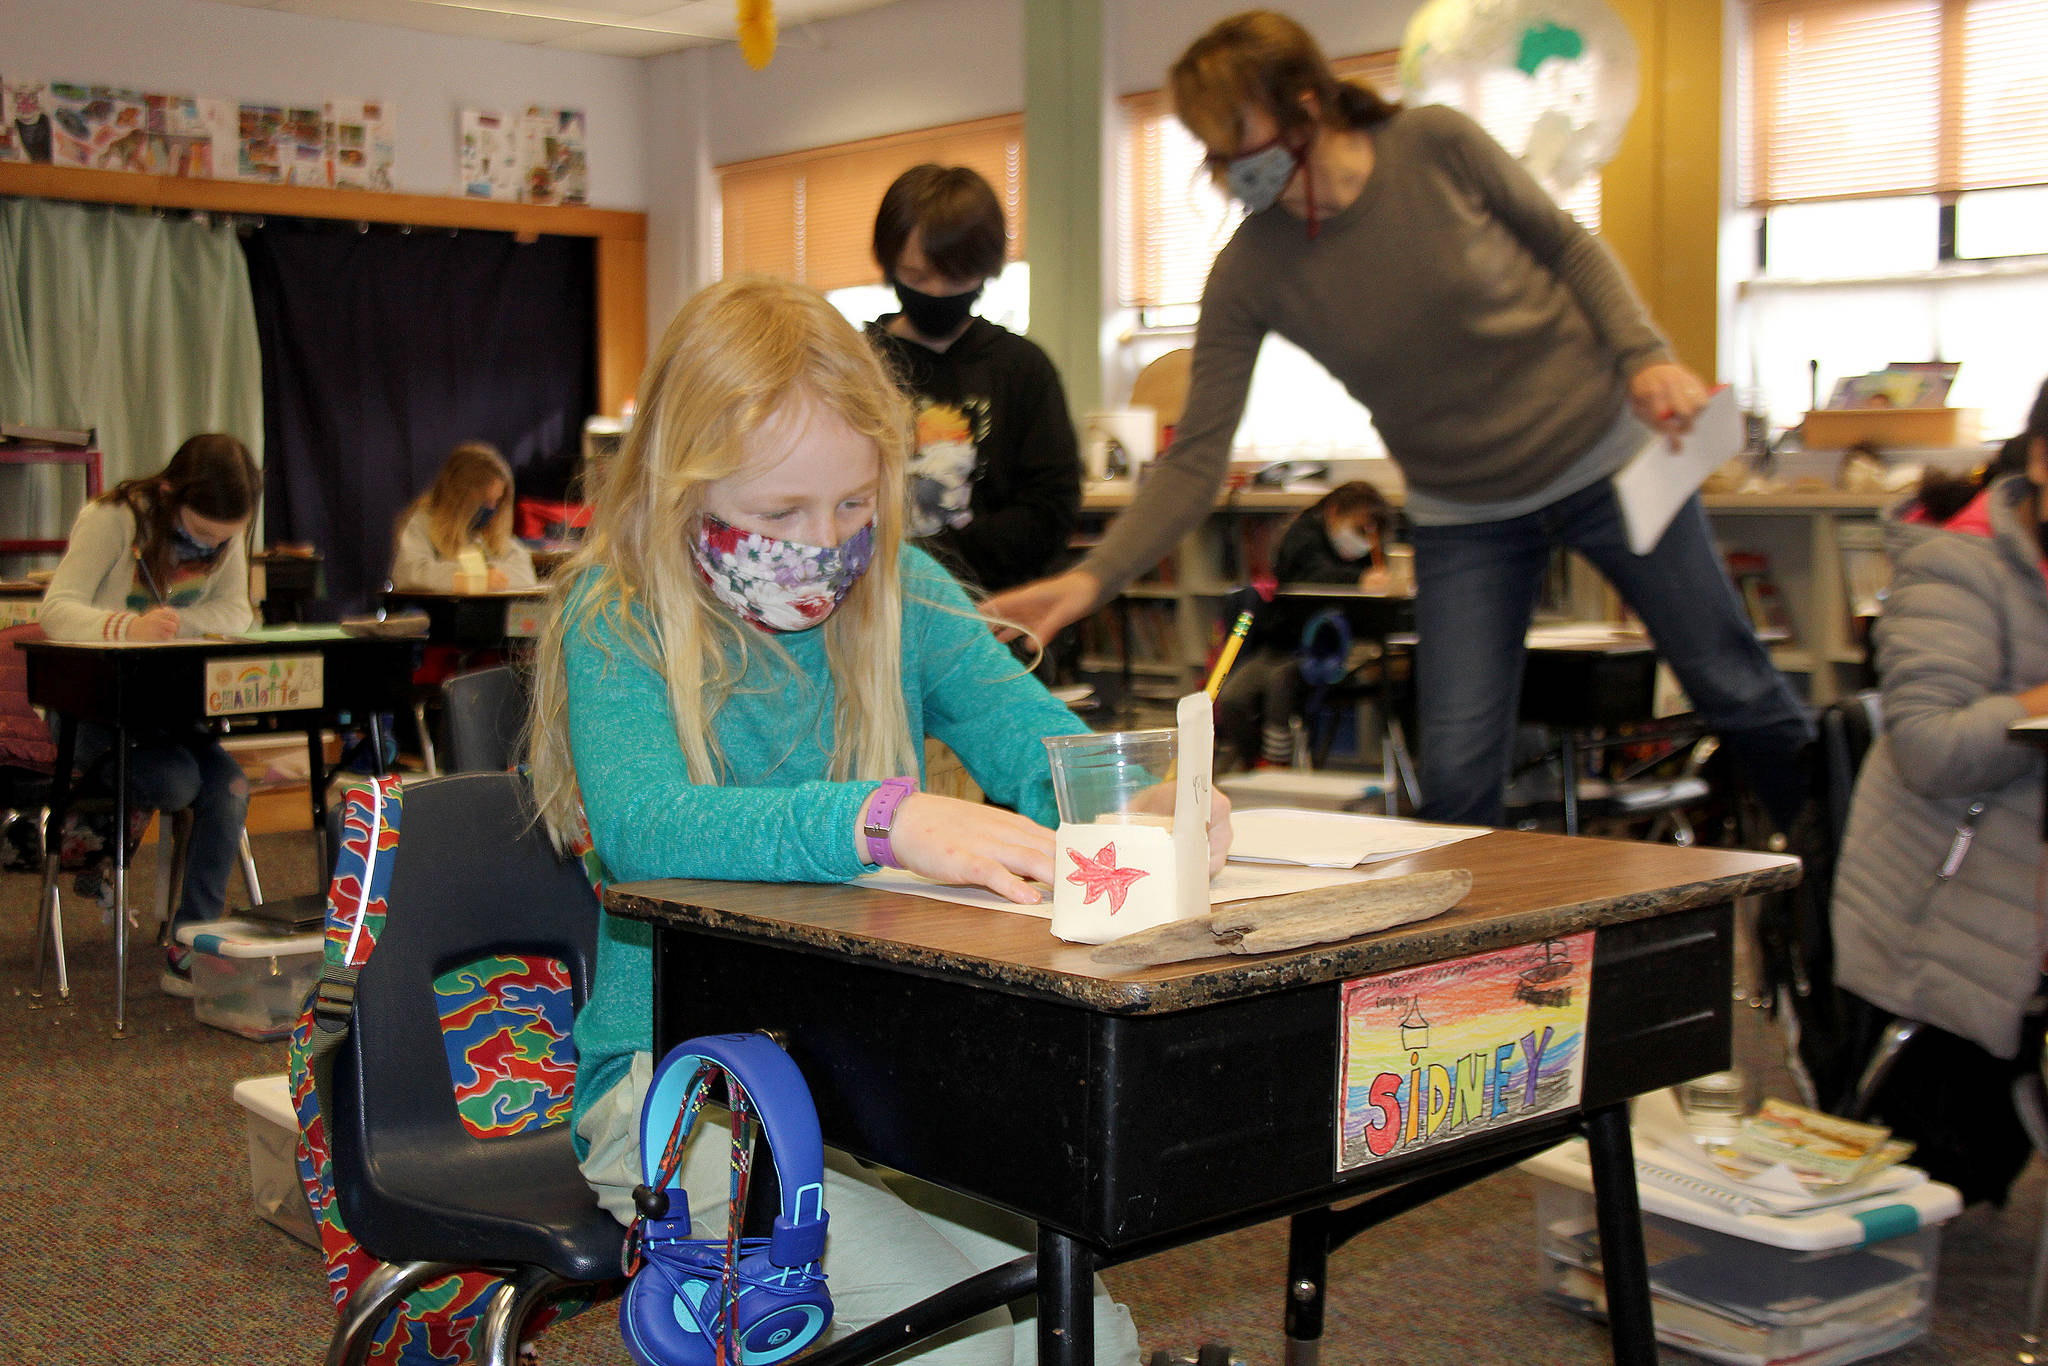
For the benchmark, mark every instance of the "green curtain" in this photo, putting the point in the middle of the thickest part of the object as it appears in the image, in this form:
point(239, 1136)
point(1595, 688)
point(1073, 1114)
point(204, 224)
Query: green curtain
point(137, 325)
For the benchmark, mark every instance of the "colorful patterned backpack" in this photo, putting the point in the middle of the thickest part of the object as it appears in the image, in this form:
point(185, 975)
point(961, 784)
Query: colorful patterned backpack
point(505, 1022)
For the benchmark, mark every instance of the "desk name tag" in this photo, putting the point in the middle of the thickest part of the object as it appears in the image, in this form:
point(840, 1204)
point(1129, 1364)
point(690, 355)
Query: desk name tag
point(238, 685)
point(1442, 1052)
point(19, 611)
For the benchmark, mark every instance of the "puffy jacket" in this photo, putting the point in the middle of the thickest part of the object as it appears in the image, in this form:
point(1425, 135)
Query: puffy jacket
point(1964, 629)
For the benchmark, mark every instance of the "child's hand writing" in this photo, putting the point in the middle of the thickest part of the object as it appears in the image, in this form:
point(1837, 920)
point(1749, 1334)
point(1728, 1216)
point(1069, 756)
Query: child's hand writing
point(968, 844)
point(158, 623)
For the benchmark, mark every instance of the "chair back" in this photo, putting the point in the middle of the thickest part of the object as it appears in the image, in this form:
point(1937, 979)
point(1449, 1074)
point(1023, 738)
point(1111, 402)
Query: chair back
point(473, 879)
point(25, 741)
point(1848, 727)
point(485, 713)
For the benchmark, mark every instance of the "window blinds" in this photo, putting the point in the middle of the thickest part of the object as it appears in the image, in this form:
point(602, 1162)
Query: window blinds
point(810, 216)
point(1857, 98)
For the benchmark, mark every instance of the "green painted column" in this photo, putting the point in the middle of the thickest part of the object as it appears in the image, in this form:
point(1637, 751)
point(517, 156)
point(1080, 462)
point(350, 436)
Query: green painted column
point(1064, 196)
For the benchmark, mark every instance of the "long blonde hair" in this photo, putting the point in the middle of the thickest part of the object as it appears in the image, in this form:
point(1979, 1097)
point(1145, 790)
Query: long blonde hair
point(454, 496)
point(737, 353)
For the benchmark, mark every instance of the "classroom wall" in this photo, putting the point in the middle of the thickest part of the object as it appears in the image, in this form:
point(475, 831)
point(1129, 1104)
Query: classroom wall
point(233, 52)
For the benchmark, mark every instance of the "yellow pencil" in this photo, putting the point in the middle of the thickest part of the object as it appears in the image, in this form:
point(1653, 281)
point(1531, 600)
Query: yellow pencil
point(1229, 655)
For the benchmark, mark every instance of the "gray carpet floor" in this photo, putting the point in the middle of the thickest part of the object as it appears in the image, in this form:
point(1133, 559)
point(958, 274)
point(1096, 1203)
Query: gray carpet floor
point(127, 1235)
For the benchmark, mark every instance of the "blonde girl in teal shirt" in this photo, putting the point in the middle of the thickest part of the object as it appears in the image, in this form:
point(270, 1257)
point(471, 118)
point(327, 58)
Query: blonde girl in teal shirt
point(743, 652)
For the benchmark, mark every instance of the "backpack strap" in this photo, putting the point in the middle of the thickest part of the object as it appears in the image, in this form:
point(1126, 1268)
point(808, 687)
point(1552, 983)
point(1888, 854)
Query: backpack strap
point(356, 907)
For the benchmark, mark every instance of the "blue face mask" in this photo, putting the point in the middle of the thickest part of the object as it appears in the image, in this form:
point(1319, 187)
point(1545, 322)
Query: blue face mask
point(1258, 177)
point(186, 548)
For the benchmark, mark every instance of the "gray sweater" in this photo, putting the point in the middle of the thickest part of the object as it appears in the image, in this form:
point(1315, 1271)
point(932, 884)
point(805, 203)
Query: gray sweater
point(1490, 335)
point(1965, 628)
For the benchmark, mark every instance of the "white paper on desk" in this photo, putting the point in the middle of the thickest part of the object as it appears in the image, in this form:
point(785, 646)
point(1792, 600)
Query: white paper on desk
point(1234, 883)
point(1654, 486)
point(1333, 839)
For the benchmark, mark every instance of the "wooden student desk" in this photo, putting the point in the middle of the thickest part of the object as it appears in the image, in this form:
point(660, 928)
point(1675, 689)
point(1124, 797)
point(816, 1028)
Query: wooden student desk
point(505, 619)
point(1126, 1111)
point(137, 687)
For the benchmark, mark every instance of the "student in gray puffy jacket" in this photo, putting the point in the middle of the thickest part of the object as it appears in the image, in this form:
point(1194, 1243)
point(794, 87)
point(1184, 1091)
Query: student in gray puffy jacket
point(1935, 910)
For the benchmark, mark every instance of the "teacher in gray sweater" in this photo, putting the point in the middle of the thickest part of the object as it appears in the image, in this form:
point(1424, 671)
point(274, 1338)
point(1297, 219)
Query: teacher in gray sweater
point(1506, 361)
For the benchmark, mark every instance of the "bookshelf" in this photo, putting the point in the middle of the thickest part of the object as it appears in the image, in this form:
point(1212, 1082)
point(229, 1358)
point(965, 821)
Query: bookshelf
point(1173, 617)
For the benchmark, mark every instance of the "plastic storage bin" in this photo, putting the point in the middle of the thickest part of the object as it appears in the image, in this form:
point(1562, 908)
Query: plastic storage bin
point(1840, 1284)
point(273, 1156)
point(248, 978)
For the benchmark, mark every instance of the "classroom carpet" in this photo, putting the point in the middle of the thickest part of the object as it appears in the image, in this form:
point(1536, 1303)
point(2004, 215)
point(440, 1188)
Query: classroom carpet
point(127, 1234)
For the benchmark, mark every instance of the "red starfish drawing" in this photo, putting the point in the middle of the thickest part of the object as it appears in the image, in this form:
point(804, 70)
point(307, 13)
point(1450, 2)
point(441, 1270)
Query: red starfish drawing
point(1100, 874)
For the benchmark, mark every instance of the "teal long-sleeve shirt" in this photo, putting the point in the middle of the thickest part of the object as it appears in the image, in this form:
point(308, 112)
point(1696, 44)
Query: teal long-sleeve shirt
point(777, 817)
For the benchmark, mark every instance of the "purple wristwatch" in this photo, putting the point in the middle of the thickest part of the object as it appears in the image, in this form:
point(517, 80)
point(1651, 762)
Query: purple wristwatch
point(880, 818)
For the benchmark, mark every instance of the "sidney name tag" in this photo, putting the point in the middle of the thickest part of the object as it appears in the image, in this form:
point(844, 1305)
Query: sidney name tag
point(1440, 1052)
point(241, 684)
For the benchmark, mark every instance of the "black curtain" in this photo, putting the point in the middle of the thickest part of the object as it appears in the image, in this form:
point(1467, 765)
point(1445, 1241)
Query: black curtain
point(383, 349)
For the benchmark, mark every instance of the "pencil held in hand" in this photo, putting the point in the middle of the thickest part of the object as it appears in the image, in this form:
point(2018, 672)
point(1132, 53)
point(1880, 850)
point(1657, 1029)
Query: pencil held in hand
point(1228, 656)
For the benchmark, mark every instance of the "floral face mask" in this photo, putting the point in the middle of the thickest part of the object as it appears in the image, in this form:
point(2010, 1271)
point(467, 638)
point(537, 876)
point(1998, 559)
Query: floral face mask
point(779, 585)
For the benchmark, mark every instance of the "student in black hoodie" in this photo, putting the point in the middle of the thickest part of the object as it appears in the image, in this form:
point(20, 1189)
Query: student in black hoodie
point(994, 480)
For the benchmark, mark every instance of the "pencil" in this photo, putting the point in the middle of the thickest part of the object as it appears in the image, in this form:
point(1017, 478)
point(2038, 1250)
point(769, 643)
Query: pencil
point(149, 578)
point(1229, 655)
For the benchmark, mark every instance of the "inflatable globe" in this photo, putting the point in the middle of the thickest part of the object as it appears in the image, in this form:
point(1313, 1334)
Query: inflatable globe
point(1554, 81)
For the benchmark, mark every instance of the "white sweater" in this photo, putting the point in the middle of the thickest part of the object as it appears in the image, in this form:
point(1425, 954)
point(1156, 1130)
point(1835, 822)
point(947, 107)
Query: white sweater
point(416, 567)
point(88, 595)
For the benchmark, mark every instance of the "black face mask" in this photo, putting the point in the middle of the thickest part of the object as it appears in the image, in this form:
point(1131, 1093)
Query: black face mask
point(481, 522)
point(935, 315)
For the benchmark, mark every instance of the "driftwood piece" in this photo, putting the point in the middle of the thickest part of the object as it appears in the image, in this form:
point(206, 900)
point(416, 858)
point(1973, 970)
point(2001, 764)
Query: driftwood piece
point(1319, 917)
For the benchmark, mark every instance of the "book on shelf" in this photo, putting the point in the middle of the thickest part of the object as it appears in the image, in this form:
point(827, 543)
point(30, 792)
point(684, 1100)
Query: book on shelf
point(80, 437)
point(1866, 568)
point(1751, 571)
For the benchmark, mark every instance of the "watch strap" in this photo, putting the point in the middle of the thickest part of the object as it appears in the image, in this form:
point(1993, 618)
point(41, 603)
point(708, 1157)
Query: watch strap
point(879, 819)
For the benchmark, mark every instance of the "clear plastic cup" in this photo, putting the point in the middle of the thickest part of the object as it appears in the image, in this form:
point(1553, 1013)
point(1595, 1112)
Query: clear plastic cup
point(1119, 777)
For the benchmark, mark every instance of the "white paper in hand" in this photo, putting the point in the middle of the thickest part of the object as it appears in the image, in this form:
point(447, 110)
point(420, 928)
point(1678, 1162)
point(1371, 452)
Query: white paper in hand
point(1654, 486)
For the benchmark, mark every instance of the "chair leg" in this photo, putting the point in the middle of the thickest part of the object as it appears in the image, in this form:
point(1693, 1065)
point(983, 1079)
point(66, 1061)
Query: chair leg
point(508, 1311)
point(419, 716)
point(249, 871)
point(372, 1300)
point(2030, 1100)
point(1896, 1036)
point(50, 929)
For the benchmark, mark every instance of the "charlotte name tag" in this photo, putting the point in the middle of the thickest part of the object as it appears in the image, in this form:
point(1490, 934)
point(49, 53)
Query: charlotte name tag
point(1446, 1051)
point(240, 684)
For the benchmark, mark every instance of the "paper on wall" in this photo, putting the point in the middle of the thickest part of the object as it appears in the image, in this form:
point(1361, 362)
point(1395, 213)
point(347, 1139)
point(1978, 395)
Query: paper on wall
point(358, 139)
point(490, 155)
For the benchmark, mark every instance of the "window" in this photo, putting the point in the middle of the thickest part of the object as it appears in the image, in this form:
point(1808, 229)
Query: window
point(1895, 162)
point(810, 216)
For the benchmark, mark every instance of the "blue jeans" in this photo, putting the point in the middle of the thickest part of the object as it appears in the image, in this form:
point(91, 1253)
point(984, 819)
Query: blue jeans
point(1476, 591)
point(170, 772)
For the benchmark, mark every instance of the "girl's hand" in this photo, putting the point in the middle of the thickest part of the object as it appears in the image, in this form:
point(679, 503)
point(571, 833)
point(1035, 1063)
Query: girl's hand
point(1376, 580)
point(1044, 608)
point(498, 581)
point(968, 844)
point(1666, 397)
point(158, 623)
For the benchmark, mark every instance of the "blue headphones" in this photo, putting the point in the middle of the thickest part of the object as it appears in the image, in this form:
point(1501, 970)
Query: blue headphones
point(1325, 648)
point(676, 1307)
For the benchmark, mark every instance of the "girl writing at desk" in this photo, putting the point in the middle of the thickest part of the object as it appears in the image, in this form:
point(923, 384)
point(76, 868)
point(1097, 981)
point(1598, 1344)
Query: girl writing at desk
point(737, 682)
point(164, 558)
point(457, 536)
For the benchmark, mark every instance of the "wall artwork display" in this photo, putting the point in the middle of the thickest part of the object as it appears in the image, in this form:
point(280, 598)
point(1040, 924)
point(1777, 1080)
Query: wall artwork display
point(489, 146)
point(551, 156)
point(25, 127)
point(97, 126)
point(188, 136)
point(281, 145)
point(359, 144)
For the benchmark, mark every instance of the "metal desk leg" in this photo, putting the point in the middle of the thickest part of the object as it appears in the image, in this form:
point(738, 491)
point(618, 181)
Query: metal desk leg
point(1568, 756)
point(316, 782)
point(121, 882)
point(1066, 1316)
point(1621, 1236)
point(1308, 1264)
